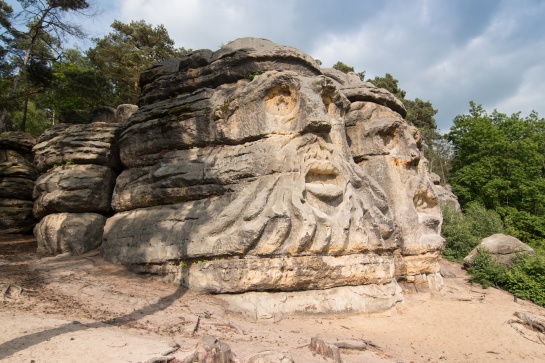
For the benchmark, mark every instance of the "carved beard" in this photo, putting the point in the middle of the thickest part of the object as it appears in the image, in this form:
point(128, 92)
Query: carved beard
point(320, 207)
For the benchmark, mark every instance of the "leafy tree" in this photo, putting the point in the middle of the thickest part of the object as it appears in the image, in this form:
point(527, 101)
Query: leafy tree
point(499, 162)
point(389, 83)
point(463, 232)
point(129, 50)
point(33, 51)
point(78, 85)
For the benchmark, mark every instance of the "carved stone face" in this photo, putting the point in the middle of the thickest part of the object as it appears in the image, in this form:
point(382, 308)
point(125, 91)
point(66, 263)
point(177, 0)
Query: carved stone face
point(283, 183)
point(259, 178)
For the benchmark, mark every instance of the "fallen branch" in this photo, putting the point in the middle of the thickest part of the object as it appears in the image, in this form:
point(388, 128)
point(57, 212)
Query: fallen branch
point(160, 360)
point(173, 349)
point(7, 289)
point(229, 324)
point(531, 321)
point(522, 334)
point(363, 345)
point(480, 298)
point(196, 325)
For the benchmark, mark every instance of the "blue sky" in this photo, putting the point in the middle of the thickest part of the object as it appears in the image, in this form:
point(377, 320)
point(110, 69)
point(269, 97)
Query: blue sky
point(446, 51)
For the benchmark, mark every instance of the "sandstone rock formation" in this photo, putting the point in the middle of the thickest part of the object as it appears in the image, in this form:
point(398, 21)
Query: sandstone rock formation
point(444, 193)
point(503, 248)
point(79, 163)
point(252, 169)
point(17, 176)
point(69, 232)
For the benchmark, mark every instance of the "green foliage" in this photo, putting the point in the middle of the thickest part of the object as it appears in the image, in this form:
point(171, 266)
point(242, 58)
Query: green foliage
point(252, 75)
point(129, 50)
point(463, 232)
point(340, 66)
point(486, 271)
point(499, 162)
point(524, 279)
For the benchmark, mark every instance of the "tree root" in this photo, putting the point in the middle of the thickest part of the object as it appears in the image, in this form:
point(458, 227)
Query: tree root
point(531, 322)
point(8, 288)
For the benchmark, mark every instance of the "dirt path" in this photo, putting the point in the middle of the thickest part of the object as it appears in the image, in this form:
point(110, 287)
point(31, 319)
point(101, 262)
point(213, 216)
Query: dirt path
point(82, 309)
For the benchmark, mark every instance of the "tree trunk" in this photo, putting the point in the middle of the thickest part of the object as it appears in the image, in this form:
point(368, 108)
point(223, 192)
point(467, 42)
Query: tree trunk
point(25, 112)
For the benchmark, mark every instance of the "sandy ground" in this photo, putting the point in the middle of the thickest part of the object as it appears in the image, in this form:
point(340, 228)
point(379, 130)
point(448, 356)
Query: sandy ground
point(82, 309)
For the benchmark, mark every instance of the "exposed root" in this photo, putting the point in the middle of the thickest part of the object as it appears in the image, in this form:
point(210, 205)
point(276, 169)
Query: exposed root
point(531, 322)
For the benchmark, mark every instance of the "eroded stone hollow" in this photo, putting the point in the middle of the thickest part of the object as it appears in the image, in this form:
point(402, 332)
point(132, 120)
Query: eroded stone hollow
point(251, 169)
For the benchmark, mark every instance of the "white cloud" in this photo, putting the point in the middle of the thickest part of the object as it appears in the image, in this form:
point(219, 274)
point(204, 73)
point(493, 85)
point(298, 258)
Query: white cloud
point(208, 24)
point(448, 52)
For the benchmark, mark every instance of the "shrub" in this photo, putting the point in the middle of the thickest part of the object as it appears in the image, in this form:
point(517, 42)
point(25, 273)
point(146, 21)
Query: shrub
point(486, 271)
point(525, 279)
point(463, 232)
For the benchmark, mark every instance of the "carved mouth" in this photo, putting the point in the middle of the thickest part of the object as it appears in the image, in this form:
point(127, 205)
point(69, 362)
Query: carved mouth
point(323, 180)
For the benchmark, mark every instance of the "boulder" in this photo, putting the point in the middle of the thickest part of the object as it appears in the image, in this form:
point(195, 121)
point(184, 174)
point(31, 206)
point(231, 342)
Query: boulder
point(503, 248)
point(75, 189)
point(124, 112)
point(444, 193)
point(94, 143)
point(76, 233)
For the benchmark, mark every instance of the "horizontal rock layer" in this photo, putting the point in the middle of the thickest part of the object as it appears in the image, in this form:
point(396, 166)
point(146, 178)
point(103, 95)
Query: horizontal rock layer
point(62, 144)
point(280, 274)
point(75, 189)
point(16, 216)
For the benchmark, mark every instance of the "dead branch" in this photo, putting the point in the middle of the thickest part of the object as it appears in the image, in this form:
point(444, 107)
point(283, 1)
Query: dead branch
point(196, 325)
point(174, 348)
point(160, 360)
point(7, 290)
point(363, 345)
point(531, 321)
point(480, 298)
point(522, 334)
point(229, 324)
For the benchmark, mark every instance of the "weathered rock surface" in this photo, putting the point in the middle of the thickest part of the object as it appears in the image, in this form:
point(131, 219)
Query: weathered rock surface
point(94, 143)
point(370, 298)
point(17, 141)
point(390, 151)
point(16, 216)
point(251, 169)
point(17, 176)
point(124, 112)
point(444, 193)
point(74, 188)
point(503, 248)
point(69, 232)
point(235, 61)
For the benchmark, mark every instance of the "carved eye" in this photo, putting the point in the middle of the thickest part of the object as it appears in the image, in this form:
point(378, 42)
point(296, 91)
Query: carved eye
point(280, 100)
